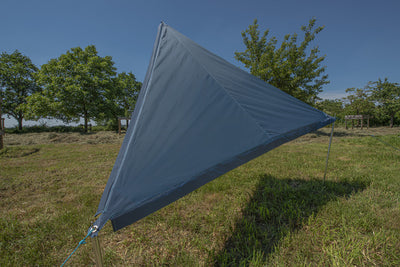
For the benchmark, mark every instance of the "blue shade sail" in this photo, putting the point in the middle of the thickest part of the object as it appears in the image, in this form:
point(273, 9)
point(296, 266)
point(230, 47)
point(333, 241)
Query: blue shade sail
point(197, 117)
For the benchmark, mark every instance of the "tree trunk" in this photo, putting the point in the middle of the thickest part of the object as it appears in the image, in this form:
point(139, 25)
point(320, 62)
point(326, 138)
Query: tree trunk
point(1, 138)
point(118, 123)
point(20, 118)
point(391, 120)
point(86, 123)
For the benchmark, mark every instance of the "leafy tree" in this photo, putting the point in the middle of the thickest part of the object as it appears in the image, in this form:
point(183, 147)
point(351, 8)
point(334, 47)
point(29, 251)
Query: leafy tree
point(387, 97)
point(293, 67)
point(16, 83)
point(333, 107)
point(358, 102)
point(122, 99)
point(128, 89)
point(75, 85)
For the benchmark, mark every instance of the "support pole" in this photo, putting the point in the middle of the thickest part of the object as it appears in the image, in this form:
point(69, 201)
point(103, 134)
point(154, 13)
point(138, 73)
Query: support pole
point(97, 251)
point(329, 149)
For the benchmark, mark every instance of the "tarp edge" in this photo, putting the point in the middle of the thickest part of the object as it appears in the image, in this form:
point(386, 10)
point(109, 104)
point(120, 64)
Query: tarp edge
point(156, 203)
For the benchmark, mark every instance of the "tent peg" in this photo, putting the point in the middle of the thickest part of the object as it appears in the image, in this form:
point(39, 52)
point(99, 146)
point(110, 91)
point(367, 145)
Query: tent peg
point(97, 250)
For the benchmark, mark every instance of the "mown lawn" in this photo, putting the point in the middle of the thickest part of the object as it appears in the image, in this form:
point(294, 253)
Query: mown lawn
point(274, 210)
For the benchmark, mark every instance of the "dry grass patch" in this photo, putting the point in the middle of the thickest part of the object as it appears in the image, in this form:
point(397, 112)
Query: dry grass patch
point(103, 137)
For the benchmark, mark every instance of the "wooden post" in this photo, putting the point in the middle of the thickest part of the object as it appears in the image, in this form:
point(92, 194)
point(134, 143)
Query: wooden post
point(1, 132)
point(1, 126)
point(119, 125)
point(360, 120)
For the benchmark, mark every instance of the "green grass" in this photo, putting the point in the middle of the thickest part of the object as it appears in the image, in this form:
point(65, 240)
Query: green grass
point(274, 210)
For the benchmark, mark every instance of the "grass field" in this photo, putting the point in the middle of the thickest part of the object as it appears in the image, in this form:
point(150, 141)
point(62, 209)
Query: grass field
point(274, 210)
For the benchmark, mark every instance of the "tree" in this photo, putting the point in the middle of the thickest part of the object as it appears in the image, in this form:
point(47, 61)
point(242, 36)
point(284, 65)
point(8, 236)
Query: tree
point(122, 99)
point(333, 107)
point(75, 85)
point(293, 67)
point(16, 83)
point(358, 102)
point(128, 89)
point(386, 96)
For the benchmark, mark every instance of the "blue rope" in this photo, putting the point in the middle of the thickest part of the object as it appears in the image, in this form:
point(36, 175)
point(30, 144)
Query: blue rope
point(385, 142)
point(80, 243)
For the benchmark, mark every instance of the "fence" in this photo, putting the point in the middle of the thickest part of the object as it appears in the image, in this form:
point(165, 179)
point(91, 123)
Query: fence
point(359, 118)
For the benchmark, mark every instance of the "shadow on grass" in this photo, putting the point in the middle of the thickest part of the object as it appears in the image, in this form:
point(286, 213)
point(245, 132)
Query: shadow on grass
point(18, 152)
point(277, 208)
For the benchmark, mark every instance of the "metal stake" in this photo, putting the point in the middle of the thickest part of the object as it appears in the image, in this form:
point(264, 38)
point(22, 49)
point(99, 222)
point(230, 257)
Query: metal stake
point(97, 251)
point(329, 149)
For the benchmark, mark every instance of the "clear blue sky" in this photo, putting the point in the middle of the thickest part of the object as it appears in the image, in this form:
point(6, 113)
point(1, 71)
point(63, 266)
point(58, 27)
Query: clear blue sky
point(361, 38)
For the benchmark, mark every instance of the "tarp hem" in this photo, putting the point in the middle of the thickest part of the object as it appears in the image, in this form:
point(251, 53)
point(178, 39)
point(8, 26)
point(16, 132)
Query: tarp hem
point(157, 202)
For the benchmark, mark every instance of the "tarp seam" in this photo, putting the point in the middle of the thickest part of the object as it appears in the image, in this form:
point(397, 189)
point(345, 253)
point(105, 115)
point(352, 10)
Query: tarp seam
point(221, 86)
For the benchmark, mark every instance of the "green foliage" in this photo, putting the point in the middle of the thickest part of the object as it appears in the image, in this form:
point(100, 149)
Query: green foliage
point(16, 83)
point(333, 107)
point(75, 85)
point(358, 102)
point(128, 91)
point(387, 97)
point(380, 99)
point(293, 67)
point(121, 100)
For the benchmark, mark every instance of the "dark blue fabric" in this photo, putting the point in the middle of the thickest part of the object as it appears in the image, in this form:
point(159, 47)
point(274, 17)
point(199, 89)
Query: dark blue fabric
point(197, 117)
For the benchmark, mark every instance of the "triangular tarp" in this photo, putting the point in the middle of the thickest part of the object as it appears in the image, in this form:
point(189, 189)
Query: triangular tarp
point(197, 117)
